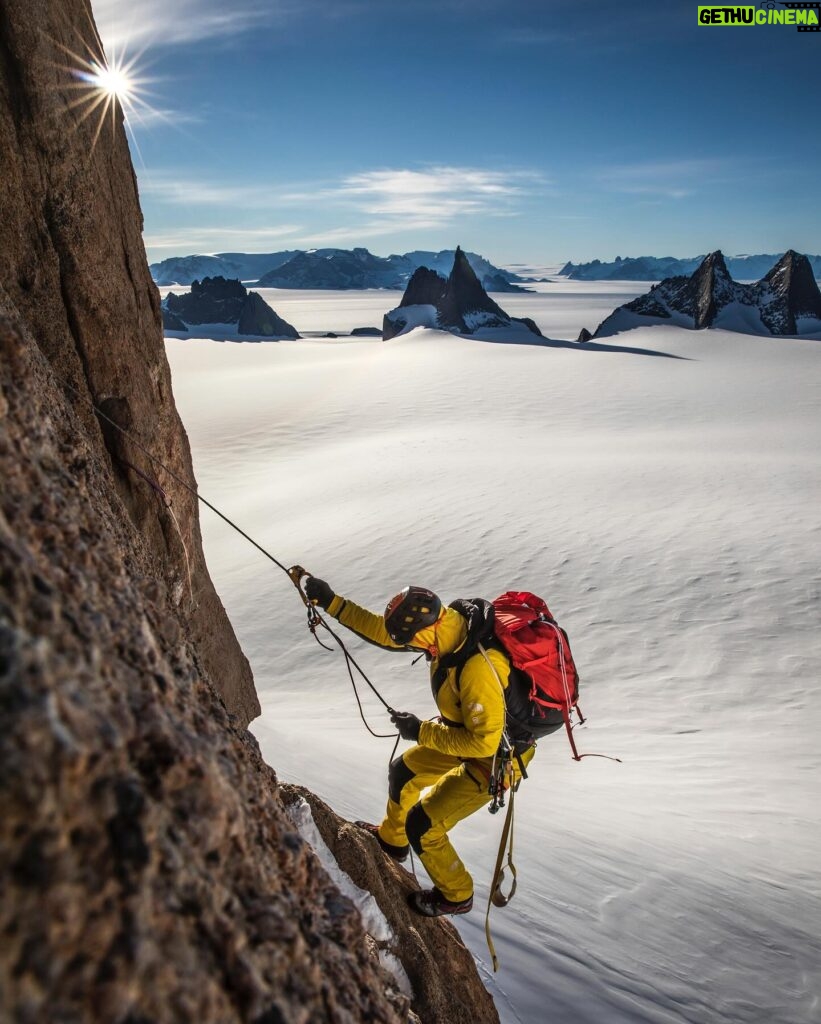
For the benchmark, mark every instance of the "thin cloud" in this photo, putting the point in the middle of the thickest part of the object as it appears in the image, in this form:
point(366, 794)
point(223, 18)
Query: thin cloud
point(140, 23)
point(666, 179)
point(425, 198)
point(437, 195)
point(177, 190)
point(207, 240)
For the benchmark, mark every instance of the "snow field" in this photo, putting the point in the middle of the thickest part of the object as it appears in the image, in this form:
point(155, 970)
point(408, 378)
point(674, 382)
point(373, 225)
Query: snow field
point(667, 510)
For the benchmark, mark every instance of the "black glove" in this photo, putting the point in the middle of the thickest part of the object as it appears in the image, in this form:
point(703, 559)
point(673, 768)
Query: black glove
point(318, 592)
point(407, 724)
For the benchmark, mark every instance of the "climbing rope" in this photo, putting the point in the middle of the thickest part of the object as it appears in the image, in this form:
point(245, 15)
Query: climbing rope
point(295, 573)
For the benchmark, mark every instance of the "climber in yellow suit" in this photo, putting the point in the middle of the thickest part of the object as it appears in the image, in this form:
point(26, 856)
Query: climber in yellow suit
point(454, 755)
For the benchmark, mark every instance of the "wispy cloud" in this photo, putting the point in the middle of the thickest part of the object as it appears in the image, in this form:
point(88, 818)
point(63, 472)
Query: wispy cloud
point(426, 198)
point(375, 202)
point(139, 23)
point(181, 190)
point(667, 179)
point(223, 239)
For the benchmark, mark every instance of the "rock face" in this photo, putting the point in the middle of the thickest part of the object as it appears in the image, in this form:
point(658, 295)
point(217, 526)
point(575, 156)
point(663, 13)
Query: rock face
point(459, 304)
point(789, 291)
point(73, 267)
point(425, 288)
point(151, 870)
point(710, 298)
point(215, 300)
point(445, 993)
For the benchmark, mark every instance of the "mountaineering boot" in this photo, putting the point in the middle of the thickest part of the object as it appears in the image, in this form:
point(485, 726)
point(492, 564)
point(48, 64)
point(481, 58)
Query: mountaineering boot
point(431, 903)
point(397, 853)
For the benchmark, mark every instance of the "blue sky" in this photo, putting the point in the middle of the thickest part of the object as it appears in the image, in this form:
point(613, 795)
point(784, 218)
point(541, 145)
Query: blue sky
point(527, 131)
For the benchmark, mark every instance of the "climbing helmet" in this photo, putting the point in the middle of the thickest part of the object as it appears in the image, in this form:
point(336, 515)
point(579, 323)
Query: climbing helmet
point(412, 609)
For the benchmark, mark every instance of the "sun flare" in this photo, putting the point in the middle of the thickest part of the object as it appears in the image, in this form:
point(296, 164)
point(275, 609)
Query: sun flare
point(104, 86)
point(112, 79)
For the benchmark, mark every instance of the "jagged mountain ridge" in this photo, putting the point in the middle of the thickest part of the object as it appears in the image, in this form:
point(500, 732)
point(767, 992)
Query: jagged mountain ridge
point(215, 300)
point(457, 303)
point(786, 301)
point(656, 268)
point(325, 268)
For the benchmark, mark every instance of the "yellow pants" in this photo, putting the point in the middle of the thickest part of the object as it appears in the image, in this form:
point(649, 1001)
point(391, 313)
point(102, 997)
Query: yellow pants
point(457, 789)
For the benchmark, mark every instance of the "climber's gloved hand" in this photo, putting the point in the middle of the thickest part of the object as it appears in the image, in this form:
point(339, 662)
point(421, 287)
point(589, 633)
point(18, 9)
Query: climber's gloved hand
point(407, 724)
point(318, 592)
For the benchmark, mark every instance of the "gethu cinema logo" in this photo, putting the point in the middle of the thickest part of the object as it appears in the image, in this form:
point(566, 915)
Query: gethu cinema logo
point(803, 16)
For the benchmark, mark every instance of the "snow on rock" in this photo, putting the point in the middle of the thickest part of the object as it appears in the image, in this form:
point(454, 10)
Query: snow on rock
point(458, 304)
point(373, 920)
point(779, 304)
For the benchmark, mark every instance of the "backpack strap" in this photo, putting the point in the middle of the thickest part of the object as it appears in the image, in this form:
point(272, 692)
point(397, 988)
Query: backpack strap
point(480, 617)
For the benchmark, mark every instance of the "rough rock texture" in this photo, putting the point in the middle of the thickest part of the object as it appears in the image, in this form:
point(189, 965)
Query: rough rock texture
point(151, 871)
point(72, 263)
point(788, 292)
point(215, 300)
point(459, 304)
point(450, 994)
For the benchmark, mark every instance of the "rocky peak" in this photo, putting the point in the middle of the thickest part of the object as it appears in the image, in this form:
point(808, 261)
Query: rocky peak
point(425, 288)
point(217, 300)
point(711, 288)
point(787, 292)
point(459, 304)
point(464, 294)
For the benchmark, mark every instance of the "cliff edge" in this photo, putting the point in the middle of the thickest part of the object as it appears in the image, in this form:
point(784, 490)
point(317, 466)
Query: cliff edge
point(152, 866)
point(73, 266)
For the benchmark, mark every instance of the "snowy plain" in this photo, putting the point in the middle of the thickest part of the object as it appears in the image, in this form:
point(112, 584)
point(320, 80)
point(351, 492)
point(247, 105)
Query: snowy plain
point(664, 499)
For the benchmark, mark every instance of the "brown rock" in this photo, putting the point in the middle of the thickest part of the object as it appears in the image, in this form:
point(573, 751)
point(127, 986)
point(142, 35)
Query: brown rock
point(452, 992)
point(150, 869)
point(73, 265)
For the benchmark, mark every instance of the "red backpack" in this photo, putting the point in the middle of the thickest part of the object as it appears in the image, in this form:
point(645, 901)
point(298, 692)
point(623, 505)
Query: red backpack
point(546, 691)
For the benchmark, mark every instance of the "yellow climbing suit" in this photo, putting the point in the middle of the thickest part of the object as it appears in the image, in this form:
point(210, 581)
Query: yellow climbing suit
point(453, 755)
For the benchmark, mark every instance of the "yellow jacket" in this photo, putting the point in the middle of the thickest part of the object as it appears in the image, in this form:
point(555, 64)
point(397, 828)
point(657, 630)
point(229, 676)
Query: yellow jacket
point(473, 716)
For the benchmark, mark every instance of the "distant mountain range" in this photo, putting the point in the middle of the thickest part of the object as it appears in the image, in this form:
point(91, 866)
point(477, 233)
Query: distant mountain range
point(786, 301)
point(656, 268)
point(326, 269)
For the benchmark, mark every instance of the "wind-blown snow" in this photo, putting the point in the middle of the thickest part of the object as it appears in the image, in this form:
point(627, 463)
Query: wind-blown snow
point(667, 510)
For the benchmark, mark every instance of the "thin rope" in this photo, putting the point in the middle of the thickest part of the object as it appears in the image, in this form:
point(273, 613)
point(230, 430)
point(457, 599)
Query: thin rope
point(295, 573)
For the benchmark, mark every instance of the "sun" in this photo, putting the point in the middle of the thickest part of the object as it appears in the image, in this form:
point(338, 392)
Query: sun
point(104, 86)
point(114, 80)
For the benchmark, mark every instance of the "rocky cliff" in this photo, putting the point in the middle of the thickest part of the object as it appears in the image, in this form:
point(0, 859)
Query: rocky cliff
point(784, 302)
point(151, 868)
point(73, 266)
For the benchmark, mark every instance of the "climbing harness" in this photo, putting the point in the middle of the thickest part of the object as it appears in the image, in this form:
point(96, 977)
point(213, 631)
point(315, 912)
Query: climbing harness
point(295, 573)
